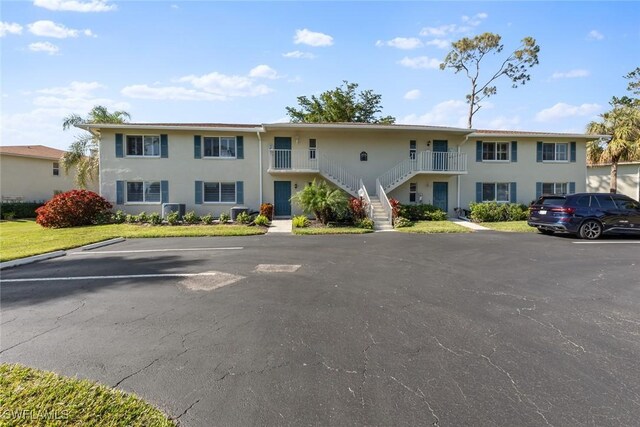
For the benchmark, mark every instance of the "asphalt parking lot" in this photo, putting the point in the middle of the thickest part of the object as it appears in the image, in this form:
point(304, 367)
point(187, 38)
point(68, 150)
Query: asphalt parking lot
point(486, 328)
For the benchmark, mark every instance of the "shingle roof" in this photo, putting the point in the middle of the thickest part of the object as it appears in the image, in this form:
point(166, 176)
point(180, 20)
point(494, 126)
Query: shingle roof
point(38, 151)
point(199, 125)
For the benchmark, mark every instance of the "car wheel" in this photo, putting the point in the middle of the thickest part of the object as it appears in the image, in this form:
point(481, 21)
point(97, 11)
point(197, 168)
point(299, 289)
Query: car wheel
point(545, 231)
point(590, 230)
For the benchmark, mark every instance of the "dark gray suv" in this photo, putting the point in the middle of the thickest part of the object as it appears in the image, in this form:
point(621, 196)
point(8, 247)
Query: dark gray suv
point(586, 215)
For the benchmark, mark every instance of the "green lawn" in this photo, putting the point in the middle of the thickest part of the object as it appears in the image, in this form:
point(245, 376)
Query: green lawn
point(330, 230)
point(31, 397)
point(429, 227)
point(23, 238)
point(510, 226)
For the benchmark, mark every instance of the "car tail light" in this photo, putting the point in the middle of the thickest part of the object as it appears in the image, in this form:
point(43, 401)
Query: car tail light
point(565, 210)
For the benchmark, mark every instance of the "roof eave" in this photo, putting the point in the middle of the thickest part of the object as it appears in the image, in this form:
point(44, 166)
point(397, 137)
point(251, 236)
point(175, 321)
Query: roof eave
point(365, 126)
point(98, 126)
point(507, 134)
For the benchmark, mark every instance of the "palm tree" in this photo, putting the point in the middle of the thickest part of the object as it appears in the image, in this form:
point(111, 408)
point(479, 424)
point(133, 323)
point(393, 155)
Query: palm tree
point(622, 123)
point(321, 200)
point(83, 153)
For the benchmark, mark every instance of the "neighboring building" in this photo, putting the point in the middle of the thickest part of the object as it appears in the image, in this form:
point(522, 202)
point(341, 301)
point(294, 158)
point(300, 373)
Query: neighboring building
point(33, 173)
point(213, 167)
point(599, 179)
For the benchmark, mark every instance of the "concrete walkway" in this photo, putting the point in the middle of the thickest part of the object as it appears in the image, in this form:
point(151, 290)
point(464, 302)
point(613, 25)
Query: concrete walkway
point(280, 226)
point(468, 224)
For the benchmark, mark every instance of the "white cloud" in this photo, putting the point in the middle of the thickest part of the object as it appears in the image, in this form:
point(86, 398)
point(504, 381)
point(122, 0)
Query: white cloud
point(175, 93)
point(439, 43)
point(595, 35)
point(476, 19)
point(58, 31)
point(226, 86)
point(420, 62)
point(299, 55)
point(47, 47)
point(469, 22)
point(448, 113)
point(572, 74)
point(10, 28)
point(75, 89)
point(264, 72)
point(312, 38)
point(405, 43)
point(498, 123)
point(562, 110)
point(76, 6)
point(76, 97)
point(413, 94)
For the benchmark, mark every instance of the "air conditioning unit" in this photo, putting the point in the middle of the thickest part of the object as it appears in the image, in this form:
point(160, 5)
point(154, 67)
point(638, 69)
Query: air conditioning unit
point(167, 208)
point(236, 210)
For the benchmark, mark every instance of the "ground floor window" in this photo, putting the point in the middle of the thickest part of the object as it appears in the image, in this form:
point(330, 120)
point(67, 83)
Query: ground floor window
point(413, 188)
point(495, 192)
point(143, 191)
point(219, 192)
point(555, 188)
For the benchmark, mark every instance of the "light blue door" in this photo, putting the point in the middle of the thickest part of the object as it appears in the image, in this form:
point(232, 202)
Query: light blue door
point(282, 146)
point(440, 160)
point(281, 198)
point(441, 195)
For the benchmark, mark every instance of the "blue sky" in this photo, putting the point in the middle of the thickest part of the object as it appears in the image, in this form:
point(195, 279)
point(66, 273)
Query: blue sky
point(244, 62)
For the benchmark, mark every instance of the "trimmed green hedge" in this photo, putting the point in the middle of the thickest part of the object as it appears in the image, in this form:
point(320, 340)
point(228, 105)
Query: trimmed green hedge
point(19, 209)
point(422, 213)
point(496, 212)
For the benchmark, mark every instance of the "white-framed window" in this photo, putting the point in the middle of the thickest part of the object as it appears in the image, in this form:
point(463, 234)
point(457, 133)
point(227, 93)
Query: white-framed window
point(143, 192)
point(555, 152)
point(219, 192)
point(220, 147)
point(555, 187)
point(312, 149)
point(413, 189)
point(495, 192)
point(412, 149)
point(143, 145)
point(495, 151)
point(56, 169)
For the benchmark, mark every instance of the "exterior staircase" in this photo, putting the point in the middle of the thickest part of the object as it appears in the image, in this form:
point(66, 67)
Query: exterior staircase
point(380, 218)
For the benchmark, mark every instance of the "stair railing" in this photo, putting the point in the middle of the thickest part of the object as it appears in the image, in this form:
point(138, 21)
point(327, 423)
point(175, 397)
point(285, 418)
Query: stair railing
point(384, 200)
point(335, 172)
point(362, 192)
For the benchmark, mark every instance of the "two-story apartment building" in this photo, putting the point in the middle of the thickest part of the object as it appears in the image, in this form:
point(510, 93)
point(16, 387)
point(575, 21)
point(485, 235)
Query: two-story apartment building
point(212, 167)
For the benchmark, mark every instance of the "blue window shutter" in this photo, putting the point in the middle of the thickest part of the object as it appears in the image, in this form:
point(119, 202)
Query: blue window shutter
point(239, 147)
point(119, 192)
point(119, 145)
point(240, 192)
point(164, 146)
point(164, 190)
point(478, 151)
point(539, 151)
point(478, 192)
point(573, 151)
point(538, 189)
point(514, 151)
point(572, 187)
point(198, 192)
point(513, 196)
point(197, 147)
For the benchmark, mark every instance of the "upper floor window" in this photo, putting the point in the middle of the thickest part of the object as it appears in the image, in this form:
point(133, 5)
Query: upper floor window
point(555, 151)
point(143, 145)
point(143, 191)
point(554, 188)
point(495, 151)
point(312, 149)
point(412, 149)
point(222, 147)
point(56, 169)
point(495, 192)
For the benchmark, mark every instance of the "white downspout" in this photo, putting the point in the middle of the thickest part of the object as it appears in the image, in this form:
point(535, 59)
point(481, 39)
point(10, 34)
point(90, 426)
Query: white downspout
point(260, 164)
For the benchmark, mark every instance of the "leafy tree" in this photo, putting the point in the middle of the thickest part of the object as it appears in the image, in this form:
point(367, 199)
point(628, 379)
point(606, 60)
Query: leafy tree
point(634, 81)
point(321, 200)
point(622, 122)
point(343, 104)
point(83, 152)
point(468, 54)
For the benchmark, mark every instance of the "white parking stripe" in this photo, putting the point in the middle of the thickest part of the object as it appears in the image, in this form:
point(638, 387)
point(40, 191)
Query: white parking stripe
point(122, 276)
point(140, 251)
point(617, 242)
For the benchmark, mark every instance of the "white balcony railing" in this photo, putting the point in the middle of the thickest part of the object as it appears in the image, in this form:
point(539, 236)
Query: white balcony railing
point(293, 160)
point(425, 161)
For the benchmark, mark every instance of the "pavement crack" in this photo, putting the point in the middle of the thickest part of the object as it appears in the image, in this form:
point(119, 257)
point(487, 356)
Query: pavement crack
point(186, 410)
point(8, 321)
point(135, 373)
point(72, 311)
point(549, 325)
point(30, 339)
point(422, 396)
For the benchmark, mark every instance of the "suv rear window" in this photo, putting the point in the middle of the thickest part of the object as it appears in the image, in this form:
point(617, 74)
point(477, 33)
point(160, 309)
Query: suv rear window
point(551, 201)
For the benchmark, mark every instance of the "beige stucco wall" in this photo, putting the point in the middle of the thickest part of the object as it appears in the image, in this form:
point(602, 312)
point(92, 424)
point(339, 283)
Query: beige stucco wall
point(181, 169)
point(599, 179)
point(32, 179)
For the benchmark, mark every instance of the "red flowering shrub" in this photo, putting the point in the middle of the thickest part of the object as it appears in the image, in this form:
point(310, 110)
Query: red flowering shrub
point(266, 209)
point(395, 208)
point(72, 209)
point(358, 208)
